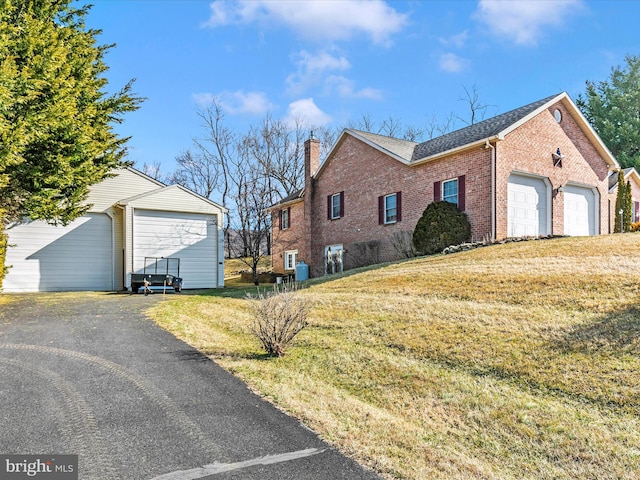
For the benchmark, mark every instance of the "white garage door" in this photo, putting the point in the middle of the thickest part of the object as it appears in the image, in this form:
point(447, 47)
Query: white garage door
point(527, 206)
point(579, 211)
point(191, 237)
point(46, 258)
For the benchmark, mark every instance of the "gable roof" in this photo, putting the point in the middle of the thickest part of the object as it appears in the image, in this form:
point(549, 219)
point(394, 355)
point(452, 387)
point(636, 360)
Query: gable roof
point(491, 128)
point(397, 147)
point(628, 174)
point(145, 176)
point(296, 196)
point(166, 191)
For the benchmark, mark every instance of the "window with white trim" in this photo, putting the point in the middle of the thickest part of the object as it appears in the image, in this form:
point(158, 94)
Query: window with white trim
point(290, 259)
point(390, 208)
point(450, 191)
point(284, 219)
point(335, 206)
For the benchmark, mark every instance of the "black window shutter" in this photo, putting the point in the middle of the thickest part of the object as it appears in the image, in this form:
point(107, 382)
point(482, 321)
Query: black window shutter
point(341, 204)
point(329, 207)
point(381, 210)
point(398, 206)
point(279, 219)
point(436, 192)
point(289, 217)
point(461, 192)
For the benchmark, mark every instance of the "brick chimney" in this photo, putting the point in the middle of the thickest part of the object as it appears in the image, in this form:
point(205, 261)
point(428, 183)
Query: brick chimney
point(311, 164)
point(311, 158)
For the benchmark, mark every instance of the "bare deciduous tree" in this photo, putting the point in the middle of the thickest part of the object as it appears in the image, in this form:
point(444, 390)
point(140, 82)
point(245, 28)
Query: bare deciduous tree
point(391, 127)
point(153, 170)
point(477, 110)
point(252, 222)
point(199, 173)
point(436, 127)
point(218, 146)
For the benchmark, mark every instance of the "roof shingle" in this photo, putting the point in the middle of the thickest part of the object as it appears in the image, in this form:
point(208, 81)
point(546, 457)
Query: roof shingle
point(475, 132)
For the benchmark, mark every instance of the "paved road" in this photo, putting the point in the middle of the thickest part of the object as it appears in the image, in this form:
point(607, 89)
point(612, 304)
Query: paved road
point(91, 375)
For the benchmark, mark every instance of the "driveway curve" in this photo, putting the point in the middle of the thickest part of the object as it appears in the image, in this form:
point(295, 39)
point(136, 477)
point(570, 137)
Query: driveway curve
point(89, 374)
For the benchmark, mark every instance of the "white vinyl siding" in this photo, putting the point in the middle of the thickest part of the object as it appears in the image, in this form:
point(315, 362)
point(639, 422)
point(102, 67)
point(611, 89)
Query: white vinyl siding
point(124, 184)
point(63, 258)
point(96, 251)
point(192, 237)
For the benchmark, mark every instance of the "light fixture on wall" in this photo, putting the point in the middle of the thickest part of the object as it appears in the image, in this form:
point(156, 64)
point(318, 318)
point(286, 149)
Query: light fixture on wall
point(558, 190)
point(557, 158)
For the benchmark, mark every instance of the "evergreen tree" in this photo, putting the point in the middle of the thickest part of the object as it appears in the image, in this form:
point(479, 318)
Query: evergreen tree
point(56, 120)
point(613, 109)
point(624, 205)
point(628, 208)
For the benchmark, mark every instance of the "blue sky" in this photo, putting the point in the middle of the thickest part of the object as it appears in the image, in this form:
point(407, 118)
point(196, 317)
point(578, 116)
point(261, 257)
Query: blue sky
point(330, 62)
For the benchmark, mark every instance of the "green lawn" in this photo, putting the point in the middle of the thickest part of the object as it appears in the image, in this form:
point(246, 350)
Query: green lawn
point(506, 362)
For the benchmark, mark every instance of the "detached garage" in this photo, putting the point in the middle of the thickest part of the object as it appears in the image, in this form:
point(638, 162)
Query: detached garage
point(131, 217)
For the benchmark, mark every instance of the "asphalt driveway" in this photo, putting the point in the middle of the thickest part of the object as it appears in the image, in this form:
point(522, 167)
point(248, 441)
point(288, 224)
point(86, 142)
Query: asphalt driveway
point(89, 374)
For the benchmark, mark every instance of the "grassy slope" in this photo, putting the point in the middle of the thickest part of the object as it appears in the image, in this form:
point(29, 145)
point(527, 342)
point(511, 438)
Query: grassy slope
point(513, 361)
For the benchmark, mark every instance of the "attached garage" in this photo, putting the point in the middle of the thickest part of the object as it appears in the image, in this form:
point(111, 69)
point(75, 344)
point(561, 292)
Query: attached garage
point(131, 216)
point(580, 211)
point(528, 205)
point(48, 258)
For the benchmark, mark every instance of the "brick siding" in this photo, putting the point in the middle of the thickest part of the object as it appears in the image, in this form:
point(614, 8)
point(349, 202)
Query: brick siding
point(364, 174)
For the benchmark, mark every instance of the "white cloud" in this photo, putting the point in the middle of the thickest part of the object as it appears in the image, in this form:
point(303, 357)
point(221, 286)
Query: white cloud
point(238, 102)
point(457, 41)
point(323, 61)
point(315, 70)
point(311, 69)
point(345, 88)
point(452, 63)
point(317, 20)
point(525, 21)
point(203, 99)
point(306, 113)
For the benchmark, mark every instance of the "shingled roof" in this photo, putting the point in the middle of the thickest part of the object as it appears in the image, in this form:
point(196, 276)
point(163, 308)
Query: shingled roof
point(401, 148)
point(613, 176)
point(298, 194)
point(477, 131)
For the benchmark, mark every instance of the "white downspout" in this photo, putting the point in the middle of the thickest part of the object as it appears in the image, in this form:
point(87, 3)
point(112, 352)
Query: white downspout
point(493, 188)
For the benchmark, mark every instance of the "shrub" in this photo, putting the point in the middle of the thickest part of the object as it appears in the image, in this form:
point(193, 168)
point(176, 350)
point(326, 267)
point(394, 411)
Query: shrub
point(635, 227)
point(279, 316)
point(442, 224)
point(402, 242)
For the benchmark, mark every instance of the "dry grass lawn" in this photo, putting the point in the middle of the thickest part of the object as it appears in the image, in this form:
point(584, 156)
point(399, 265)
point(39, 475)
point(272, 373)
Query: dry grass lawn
point(518, 361)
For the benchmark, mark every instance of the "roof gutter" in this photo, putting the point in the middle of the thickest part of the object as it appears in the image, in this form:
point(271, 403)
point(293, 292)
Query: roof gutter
point(468, 146)
point(278, 206)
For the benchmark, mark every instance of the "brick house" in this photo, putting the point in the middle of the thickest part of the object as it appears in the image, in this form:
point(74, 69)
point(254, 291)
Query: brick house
point(537, 170)
point(631, 176)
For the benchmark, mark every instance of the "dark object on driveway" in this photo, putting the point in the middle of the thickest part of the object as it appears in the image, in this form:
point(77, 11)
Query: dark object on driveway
point(158, 272)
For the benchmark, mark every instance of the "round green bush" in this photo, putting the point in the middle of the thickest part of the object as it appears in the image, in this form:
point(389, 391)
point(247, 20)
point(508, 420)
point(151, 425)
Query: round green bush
point(442, 224)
